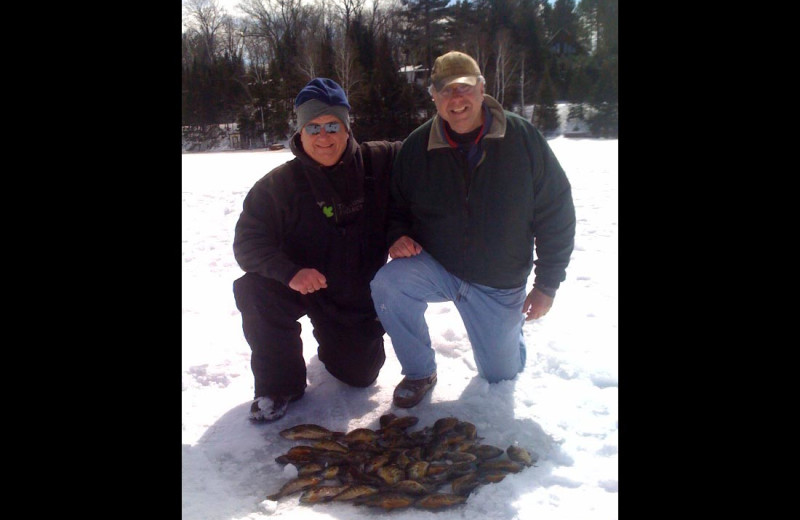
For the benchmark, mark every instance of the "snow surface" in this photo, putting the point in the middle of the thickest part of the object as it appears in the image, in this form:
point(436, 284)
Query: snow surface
point(564, 406)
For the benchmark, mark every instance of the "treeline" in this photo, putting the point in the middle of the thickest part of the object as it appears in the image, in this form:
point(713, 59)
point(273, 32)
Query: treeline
point(248, 69)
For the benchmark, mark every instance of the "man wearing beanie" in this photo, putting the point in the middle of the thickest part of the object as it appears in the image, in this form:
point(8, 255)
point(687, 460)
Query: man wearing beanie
point(311, 235)
point(475, 191)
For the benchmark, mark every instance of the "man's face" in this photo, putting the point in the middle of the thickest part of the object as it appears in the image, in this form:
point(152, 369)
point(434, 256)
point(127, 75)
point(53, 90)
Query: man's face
point(325, 148)
point(460, 105)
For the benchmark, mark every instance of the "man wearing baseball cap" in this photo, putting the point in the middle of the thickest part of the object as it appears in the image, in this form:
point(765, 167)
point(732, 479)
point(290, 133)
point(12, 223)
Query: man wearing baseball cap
point(475, 192)
point(311, 235)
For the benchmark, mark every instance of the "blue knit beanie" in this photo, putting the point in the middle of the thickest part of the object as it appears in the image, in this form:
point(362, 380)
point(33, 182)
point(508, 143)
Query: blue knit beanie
point(321, 96)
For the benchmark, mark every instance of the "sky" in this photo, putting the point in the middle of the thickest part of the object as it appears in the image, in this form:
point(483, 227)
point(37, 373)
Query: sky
point(563, 406)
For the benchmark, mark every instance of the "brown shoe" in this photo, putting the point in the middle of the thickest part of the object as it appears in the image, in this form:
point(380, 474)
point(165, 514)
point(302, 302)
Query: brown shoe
point(411, 391)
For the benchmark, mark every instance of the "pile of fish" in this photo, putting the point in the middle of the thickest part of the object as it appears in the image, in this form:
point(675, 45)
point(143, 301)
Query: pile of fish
point(392, 467)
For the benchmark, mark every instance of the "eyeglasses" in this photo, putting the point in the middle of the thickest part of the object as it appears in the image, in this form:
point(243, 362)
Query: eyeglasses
point(314, 128)
point(461, 89)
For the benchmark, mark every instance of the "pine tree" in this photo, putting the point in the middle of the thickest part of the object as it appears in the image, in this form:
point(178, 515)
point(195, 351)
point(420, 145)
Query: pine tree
point(425, 34)
point(545, 115)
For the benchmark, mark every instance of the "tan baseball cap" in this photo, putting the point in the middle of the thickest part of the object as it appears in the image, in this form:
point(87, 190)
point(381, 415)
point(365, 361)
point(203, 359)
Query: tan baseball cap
point(454, 67)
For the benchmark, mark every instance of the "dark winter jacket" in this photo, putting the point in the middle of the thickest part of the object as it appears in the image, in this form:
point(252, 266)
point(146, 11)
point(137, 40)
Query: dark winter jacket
point(484, 232)
point(295, 217)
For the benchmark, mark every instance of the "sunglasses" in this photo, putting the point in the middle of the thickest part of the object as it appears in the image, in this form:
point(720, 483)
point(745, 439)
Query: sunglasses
point(460, 89)
point(314, 128)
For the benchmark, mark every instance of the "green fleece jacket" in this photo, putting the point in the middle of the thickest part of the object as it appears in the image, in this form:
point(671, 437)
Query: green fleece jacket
point(518, 197)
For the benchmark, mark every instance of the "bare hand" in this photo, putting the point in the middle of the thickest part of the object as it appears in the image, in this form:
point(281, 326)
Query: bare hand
point(404, 247)
point(536, 305)
point(307, 281)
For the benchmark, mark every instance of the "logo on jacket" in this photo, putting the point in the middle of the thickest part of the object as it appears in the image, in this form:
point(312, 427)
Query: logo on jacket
point(328, 211)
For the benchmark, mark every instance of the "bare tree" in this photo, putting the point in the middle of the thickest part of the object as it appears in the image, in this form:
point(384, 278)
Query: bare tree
point(273, 18)
point(349, 9)
point(346, 68)
point(505, 65)
point(480, 53)
point(232, 37)
point(312, 34)
point(205, 17)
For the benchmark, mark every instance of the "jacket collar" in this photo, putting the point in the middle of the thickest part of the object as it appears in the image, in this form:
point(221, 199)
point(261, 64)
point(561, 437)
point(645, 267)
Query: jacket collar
point(436, 139)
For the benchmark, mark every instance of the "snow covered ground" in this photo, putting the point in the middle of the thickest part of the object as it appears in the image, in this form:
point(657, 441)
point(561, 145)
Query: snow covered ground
point(564, 406)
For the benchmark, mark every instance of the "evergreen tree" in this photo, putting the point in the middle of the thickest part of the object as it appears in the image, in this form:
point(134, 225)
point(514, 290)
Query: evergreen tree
point(278, 101)
point(327, 68)
point(605, 92)
point(603, 99)
point(462, 27)
point(563, 17)
point(545, 115)
point(425, 33)
point(608, 23)
point(248, 130)
point(528, 30)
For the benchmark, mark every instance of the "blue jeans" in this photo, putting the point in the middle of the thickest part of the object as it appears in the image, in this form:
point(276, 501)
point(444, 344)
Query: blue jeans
point(401, 291)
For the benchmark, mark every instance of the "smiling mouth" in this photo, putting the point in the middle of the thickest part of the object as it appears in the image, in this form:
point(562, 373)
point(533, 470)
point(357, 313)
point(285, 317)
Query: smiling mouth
point(459, 111)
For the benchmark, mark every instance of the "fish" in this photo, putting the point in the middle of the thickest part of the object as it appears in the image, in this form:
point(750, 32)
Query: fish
point(354, 475)
point(364, 446)
point(401, 459)
point(410, 487)
point(330, 472)
point(294, 486)
point(395, 439)
point(438, 472)
point(356, 458)
point(444, 425)
point(355, 491)
point(440, 500)
point(387, 500)
point(319, 470)
point(329, 445)
point(312, 468)
point(417, 470)
point(401, 423)
point(415, 453)
point(465, 445)
point(386, 419)
point(321, 493)
point(486, 451)
point(506, 466)
point(453, 439)
point(297, 454)
point(465, 484)
point(493, 477)
point(468, 429)
point(422, 437)
point(391, 474)
point(460, 456)
point(309, 432)
point(435, 451)
point(360, 434)
point(521, 455)
point(462, 468)
point(376, 462)
point(330, 458)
